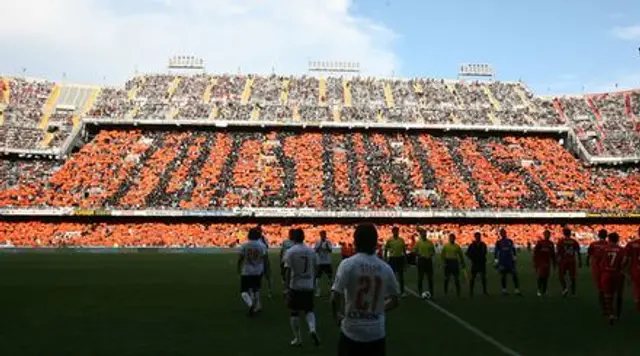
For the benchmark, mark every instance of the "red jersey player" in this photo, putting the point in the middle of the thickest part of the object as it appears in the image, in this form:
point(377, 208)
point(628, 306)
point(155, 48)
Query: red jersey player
point(593, 255)
point(611, 278)
point(632, 251)
point(568, 251)
point(544, 256)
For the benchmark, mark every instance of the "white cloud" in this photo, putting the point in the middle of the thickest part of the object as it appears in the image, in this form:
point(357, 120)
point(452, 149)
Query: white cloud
point(627, 32)
point(89, 39)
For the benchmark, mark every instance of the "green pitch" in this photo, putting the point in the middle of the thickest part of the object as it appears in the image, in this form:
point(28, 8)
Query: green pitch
point(152, 304)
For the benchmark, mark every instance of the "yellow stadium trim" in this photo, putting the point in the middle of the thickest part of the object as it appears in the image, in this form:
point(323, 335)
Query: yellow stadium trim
point(322, 90)
point(379, 116)
point(347, 92)
point(7, 92)
point(336, 113)
point(492, 99)
point(255, 114)
point(214, 112)
point(494, 120)
point(246, 93)
point(172, 87)
point(206, 96)
point(46, 140)
point(388, 95)
point(49, 106)
point(296, 113)
point(284, 95)
point(2, 115)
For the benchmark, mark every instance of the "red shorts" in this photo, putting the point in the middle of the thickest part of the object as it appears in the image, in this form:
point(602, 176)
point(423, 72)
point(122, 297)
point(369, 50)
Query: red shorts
point(567, 267)
point(611, 283)
point(543, 271)
point(595, 274)
point(635, 278)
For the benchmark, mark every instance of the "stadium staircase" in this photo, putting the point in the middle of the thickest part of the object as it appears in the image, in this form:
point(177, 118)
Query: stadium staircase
point(597, 115)
point(46, 140)
point(206, 96)
point(87, 106)
point(524, 98)
point(628, 108)
point(48, 107)
point(214, 112)
point(494, 120)
point(454, 117)
point(560, 110)
point(172, 87)
point(492, 99)
point(133, 92)
point(6, 94)
point(284, 95)
point(322, 90)
point(347, 92)
point(296, 113)
point(455, 95)
point(255, 113)
point(336, 113)
point(246, 93)
point(388, 95)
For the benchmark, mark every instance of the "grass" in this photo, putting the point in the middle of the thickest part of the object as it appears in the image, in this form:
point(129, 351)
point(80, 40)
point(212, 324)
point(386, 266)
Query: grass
point(187, 304)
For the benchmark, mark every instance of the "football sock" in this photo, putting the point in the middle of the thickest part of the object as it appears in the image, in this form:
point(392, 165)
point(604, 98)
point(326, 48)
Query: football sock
point(295, 326)
point(256, 300)
point(246, 298)
point(311, 322)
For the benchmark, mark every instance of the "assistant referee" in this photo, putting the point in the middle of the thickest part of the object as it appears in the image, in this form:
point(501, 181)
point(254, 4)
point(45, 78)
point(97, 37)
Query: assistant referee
point(453, 259)
point(396, 255)
point(424, 251)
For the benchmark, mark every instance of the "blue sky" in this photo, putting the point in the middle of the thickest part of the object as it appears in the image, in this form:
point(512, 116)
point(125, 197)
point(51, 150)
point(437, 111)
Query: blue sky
point(559, 45)
point(562, 46)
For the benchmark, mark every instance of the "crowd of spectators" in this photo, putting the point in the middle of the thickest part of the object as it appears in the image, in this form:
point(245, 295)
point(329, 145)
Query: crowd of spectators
point(112, 234)
point(607, 125)
point(331, 171)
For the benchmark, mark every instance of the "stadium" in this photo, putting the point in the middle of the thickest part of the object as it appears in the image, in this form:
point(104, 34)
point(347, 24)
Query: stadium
point(122, 207)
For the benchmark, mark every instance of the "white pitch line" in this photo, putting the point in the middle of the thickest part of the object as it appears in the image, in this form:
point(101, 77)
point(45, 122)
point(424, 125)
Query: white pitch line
point(468, 326)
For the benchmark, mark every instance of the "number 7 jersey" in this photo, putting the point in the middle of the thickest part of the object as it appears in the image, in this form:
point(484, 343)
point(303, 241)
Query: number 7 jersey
point(366, 281)
point(302, 262)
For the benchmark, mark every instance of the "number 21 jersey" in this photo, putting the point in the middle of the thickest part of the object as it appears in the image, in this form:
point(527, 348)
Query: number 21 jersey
point(366, 281)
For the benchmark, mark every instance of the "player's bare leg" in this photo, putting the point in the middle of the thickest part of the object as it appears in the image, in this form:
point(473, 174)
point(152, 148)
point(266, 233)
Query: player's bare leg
point(563, 285)
point(516, 282)
point(420, 280)
point(503, 283)
point(294, 320)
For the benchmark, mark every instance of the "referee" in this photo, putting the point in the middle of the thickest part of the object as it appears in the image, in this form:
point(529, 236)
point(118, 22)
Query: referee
point(424, 251)
point(396, 255)
point(452, 258)
point(477, 253)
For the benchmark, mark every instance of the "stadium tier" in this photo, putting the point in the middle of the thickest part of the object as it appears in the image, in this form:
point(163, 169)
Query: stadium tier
point(606, 125)
point(246, 147)
point(323, 170)
point(56, 234)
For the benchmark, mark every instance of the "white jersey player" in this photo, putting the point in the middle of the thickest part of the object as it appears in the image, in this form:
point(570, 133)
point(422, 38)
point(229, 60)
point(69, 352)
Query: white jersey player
point(369, 288)
point(323, 249)
point(253, 262)
point(286, 245)
point(300, 264)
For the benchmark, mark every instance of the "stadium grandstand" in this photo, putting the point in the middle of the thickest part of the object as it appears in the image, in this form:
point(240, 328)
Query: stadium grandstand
point(111, 166)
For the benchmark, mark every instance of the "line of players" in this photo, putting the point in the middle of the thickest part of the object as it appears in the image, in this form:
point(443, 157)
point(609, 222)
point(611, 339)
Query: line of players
point(365, 287)
point(302, 266)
